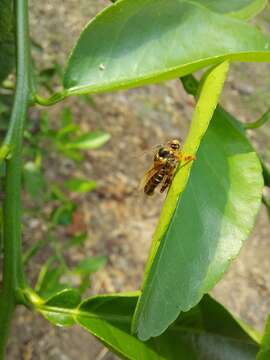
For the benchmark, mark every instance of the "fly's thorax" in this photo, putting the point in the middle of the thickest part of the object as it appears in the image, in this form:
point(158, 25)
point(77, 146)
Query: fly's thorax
point(164, 154)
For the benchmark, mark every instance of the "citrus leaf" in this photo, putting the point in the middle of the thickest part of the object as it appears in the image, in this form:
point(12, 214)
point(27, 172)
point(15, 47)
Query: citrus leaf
point(242, 9)
point(7, 48)
point(209, 95)
point(59, 308)
point(208, 224)
point(146, 41)
point(264, 353)
point(80, 185)
point(197, 334)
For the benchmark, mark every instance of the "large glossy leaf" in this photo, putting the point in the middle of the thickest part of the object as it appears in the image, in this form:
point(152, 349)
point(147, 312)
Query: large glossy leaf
point(6, 38)
point(242, 9)
point(206, 332)
point(212, 218)
point(132, 43)
point(264, 353)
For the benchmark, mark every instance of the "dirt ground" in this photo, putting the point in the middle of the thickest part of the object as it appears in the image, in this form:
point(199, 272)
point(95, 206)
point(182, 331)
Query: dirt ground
point(120, 221)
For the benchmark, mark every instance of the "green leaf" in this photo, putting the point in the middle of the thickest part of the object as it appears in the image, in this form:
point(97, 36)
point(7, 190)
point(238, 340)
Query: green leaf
point(80, 185)
point(89, 141)
point(33, 180)
point(63, 214)
point(58, 309)
point(210, 91)
point(203, 229)
point(206, 332)
point(7, 49)
point(90, 265)
point(76, 240)
point(66, 117)
point(48, 282)
point(146, 41)
point(242, 9)
point(264, 353)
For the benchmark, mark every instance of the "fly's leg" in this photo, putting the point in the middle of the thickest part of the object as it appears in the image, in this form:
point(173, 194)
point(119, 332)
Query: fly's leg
point(186, 159)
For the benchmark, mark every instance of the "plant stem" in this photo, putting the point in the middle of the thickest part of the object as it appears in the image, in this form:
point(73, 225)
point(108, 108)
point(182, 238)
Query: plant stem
point(258, 123)
point(13, 277)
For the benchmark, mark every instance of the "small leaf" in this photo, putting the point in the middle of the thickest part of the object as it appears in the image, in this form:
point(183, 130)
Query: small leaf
point(63, 214)
point(89, 141)
point(59, 308)
point(67, 130)
point(146, 41)
point(49, 281)
point(90, 265)
point(80, 185)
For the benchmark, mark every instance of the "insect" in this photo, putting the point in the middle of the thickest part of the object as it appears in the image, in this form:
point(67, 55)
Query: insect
point(166, 160)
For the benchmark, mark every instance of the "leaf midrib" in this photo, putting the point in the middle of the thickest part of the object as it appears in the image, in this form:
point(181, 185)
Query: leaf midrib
point(126, 319)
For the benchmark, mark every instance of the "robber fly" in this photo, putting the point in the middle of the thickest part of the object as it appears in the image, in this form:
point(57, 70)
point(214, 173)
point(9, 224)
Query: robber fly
point(166, 160)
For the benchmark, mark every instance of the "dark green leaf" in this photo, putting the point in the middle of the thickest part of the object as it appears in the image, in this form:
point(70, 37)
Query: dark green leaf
point(206, 332)
point(90, 265)
point(89, 141)
point(7, 49)
point(264, 353)
point(212, 219)
point(63, 214)
point(80, 185)
point(146, 41)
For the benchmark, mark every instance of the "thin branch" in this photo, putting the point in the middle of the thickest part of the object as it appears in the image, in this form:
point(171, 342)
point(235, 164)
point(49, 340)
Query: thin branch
point(258, 123)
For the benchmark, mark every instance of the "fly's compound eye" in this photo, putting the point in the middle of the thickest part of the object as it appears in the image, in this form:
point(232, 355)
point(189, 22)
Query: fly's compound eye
point(163, 153)
point(175, 145)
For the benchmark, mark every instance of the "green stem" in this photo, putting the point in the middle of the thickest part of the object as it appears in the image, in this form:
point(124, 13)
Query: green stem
point(55, 98)
point(266, 174)
point(13, 277)
point(258, 123)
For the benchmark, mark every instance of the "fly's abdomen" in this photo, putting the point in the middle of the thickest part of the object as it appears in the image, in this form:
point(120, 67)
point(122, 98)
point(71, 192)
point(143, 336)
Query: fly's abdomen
point(154, 182)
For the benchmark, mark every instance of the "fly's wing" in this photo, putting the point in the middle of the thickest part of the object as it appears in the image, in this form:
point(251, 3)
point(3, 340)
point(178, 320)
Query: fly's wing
point(150, 173)
point(148, 152)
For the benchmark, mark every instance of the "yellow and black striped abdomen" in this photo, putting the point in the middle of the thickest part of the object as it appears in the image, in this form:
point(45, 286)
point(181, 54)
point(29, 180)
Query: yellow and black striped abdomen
point(154, 181)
